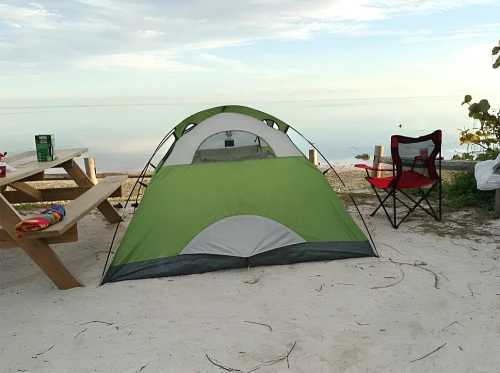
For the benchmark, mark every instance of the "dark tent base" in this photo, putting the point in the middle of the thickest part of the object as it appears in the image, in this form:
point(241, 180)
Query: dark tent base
point(199, 263)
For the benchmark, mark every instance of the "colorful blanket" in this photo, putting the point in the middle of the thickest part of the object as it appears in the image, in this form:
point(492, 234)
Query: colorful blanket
point(47, 217)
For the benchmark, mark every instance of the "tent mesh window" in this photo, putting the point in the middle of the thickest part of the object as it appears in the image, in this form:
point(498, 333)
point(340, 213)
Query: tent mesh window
point(416, 156)
point(232, 146)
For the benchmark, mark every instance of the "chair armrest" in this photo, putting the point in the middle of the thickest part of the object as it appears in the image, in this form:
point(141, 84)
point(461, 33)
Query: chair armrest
point(363, 166)
point(366, 167)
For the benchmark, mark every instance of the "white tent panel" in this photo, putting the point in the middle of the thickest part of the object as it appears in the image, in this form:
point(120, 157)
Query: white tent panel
point(185, 148)
point(242, 235)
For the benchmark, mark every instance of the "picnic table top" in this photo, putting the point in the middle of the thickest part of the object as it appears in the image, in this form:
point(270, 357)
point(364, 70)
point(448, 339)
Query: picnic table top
point(27, 165)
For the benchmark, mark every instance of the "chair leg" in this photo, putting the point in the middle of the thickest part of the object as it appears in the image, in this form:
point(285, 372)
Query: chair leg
point(424, 195)
point(418, 203)
point(390, 193)
point(394, 224)
point(440, 190)
point(440, 195)
point(381, 201)
point(411, 208)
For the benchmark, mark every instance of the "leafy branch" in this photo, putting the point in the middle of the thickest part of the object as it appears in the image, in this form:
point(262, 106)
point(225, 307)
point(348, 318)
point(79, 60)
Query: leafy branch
point(496, 51)
point(487, 136)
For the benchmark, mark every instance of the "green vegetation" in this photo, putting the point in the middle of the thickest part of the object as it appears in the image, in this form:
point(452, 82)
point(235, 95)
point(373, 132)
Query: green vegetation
point(496, 52)
point(487, 136)
point(461, 191)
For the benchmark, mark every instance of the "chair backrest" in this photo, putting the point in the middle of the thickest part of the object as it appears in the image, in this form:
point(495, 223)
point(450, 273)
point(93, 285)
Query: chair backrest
point(416, 153)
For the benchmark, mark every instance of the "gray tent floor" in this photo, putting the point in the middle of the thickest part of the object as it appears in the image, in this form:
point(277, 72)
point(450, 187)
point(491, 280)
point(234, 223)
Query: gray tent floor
point(355, 315)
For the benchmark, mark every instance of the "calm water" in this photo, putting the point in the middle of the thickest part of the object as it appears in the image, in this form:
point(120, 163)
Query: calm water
point(120, 134)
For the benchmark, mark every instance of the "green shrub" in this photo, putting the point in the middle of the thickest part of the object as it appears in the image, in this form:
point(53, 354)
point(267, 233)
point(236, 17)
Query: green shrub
point(462, 192)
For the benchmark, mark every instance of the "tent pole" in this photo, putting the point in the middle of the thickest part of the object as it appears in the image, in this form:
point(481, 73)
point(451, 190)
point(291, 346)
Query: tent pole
point(138, 180)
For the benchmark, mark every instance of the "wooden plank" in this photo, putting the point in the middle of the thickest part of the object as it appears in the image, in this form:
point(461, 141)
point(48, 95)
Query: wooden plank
point(38, 250)
point(99, 175)
point(110, 213)
point(12, 158)
point(82, 179)
point(28, 158)
point(378, 153)
point(313, 157)
point(78, 208)
point(71, 235)
point(36, 177)
point(53, 194)
point(26, 189)
point(27, 165)
point(445, 164)
point(41, 253)
point(5, 238)
point(77, 174)
point(90, 169)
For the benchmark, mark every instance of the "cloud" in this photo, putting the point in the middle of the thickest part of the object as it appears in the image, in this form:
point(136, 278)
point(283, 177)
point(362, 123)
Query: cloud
point(141, 61)
point(344, 10)
point(150, 34)
point(427, 35)
point(33, 15)
point(170, 35)
point(218, 43)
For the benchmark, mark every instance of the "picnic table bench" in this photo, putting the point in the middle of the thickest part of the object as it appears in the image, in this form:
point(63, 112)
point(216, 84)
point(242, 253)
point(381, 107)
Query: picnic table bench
point(86, 196)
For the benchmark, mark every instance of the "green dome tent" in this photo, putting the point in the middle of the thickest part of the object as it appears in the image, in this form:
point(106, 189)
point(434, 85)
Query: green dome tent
point(234, 191)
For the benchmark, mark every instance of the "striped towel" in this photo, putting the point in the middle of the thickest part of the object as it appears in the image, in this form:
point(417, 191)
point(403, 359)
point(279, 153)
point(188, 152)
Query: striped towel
point(47, 217)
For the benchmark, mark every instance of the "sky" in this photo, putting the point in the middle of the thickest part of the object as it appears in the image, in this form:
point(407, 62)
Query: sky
point(195, 50)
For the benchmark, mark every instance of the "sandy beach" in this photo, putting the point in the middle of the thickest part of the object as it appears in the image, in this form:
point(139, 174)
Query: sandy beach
point(430, 303)
point(206, 129)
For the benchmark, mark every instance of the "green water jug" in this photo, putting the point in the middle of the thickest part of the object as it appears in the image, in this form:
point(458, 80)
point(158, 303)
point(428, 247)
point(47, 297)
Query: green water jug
point(45, 148)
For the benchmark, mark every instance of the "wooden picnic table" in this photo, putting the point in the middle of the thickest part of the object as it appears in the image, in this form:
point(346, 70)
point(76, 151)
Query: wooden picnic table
point(85, 196)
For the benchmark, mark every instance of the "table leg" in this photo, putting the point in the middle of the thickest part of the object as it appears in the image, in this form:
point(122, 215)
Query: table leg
point(81, 179)
point(35, 194)
point(90, 169)
point(38, 250)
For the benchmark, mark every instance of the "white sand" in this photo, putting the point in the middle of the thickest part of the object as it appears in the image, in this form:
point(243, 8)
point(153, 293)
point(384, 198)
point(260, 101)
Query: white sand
point(339, 321)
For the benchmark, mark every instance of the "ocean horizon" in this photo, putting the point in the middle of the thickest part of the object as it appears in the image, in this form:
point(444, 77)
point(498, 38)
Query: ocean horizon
point(122, 133)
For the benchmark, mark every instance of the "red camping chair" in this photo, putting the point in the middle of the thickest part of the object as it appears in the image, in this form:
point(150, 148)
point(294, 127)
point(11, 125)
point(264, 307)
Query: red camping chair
point(413, 168)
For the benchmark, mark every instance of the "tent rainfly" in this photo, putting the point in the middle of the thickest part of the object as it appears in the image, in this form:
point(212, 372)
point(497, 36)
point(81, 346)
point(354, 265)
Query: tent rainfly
point(234, 191)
